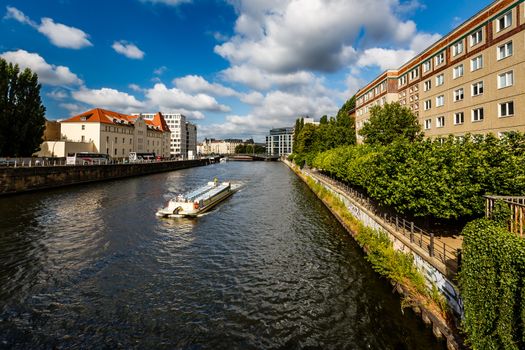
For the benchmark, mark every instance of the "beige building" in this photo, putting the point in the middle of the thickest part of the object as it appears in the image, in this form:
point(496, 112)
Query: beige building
point(470, 81)
point(118, 134)
point(213, 146)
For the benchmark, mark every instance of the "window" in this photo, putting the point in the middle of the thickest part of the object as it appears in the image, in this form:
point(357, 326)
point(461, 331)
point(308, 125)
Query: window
point(414, 74)
point(116, 140)
point(476, 63)
point(403, 80)
point(440, 101)
point(505, 80)
point(457, 48)
point(506, 109)
point(440, 80)
point(428, 85)
point(426, 66)
point(505, 50)
point(440, 58)
point(82, 138)
point(428, 104)
point(458, 94)
point(477, 88)
point(83, 127)
point(476, 38)
point(440, 122)
point(115, 151)
point(477, 114)
point(428, 124)
point(504, 21)
point(458, 71)
point(459, 118)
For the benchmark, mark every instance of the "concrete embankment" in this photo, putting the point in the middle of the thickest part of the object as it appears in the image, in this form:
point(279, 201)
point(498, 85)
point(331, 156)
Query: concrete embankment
point(440, 327)
point(24, 179)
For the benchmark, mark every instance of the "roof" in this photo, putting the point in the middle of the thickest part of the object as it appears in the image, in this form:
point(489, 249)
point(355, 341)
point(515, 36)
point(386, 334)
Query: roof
point(104, 116)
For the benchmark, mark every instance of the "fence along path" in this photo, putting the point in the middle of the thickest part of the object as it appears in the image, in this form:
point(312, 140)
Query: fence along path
point(441, 253)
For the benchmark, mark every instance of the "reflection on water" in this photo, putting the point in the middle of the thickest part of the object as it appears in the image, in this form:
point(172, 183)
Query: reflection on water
point(92, 266)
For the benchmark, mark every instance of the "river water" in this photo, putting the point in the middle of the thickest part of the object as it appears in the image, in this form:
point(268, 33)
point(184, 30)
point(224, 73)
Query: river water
point(91, 266)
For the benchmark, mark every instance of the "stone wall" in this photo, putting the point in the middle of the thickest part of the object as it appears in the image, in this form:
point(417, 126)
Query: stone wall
point(23, 179)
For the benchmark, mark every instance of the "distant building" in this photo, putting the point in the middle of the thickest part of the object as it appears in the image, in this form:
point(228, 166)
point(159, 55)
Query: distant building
point(191, 140)
point(118, 134)
point(308, 120)
point(280, 142)
point(214, 146)
point(179, 133)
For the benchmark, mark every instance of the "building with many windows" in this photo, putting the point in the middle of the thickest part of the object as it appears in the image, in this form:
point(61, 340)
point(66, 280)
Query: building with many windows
point(118, 134)
point(470, 81)
point(215, 146)
point(179, 127)
point(280, 142)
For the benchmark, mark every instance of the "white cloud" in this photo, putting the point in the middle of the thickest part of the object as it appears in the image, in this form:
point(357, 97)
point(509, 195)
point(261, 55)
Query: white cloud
point(47, 73)
point(59, 34)
point(259, 79)
point(16, 14)
point(58, 94)
point(135, 88)
point(320, 35)
point(73, 108)
point(196, 83)
point(127, 49)
point(422, 41)
point(161, 70)
point(108, 98)
point(384, 58)
point(173, 99)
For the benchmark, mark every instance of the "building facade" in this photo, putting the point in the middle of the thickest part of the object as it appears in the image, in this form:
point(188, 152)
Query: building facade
point(179, 126)
point(470, 81)
point(214, 146)
point(118, 134)
point(191, 140)
point(280, 142)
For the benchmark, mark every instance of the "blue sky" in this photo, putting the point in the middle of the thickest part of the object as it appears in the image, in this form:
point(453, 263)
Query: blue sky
point(235, 67)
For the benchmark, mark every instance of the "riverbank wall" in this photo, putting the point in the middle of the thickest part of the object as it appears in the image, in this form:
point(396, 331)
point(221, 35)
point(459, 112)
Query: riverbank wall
point(434, 274)
point(25, 179)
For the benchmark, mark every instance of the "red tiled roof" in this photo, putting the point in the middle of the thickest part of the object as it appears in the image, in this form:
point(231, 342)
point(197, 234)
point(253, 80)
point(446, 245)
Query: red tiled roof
point(99, 115)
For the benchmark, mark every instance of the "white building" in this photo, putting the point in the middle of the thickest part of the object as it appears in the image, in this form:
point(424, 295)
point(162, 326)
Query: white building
point(214, 146)
point(118, 134)
point(280, 142)
point(179, 133)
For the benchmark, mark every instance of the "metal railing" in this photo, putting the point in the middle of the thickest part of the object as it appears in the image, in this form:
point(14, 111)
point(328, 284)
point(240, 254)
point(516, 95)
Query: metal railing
point(517, 211)
point(426, 241)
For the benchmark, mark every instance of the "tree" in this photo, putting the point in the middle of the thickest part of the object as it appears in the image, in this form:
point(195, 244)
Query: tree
point(22, 120)
point(389, 123)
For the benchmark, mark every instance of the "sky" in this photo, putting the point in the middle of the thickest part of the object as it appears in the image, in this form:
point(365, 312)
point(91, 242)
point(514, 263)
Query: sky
point(236, 68)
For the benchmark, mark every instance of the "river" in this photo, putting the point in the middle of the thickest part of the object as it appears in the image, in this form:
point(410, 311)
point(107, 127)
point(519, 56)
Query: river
point(90, 266)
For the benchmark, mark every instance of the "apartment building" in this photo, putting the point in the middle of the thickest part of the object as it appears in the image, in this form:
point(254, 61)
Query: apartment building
point(117, 134)
point(470, 81)
point(214, 146)
point(191, 140)
point(179, 133)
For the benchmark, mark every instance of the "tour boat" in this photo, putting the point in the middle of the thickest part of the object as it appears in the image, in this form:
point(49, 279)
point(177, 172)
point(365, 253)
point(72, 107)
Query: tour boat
point(197, 201)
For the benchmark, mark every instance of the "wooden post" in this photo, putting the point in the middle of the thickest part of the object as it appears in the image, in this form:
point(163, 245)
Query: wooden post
point(411, 232)
point(431, 244)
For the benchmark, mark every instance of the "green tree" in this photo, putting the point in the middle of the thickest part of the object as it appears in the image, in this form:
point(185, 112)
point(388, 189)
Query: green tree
point(22, 120)
point(390, 122)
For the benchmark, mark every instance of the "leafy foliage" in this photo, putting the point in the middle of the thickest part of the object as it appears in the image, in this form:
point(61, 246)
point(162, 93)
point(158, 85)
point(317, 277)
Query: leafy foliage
point(310, 139)
point(249, 149)
point(492, 288)
point(432, 179)
point(22, 119)
point(389, 123)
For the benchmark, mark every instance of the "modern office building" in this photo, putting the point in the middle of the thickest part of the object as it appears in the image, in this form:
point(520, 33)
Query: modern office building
point(179, 133)
point(280, 142)
point(470, 81)
point(118, 134)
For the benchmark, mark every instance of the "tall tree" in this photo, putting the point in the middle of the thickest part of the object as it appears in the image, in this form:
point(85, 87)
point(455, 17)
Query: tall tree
point(389, 123)
point(22, 120)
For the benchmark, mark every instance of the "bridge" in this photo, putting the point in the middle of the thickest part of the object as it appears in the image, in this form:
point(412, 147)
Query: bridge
point(252, 157)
